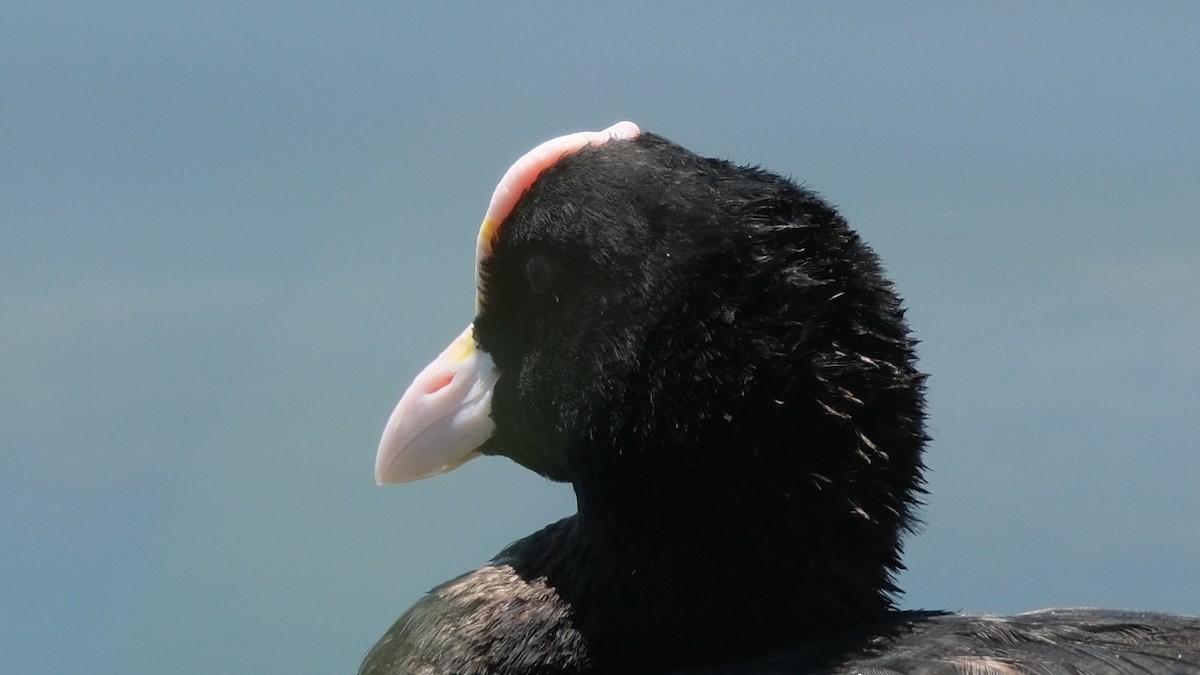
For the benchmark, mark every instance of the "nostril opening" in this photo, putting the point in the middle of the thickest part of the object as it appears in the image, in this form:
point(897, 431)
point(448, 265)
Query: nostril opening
point(439, 383)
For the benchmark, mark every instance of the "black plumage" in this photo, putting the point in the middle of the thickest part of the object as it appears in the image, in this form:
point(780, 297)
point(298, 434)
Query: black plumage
point(717, 364)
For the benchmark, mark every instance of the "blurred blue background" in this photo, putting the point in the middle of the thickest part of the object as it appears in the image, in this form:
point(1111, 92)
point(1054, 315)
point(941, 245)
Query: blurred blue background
point(231, 232)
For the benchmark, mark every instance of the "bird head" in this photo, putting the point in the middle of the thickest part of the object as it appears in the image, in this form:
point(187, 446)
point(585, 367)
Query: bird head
point(673, 332)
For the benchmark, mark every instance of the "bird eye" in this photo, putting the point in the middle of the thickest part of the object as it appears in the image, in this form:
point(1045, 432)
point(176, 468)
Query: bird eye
point(539, 273)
